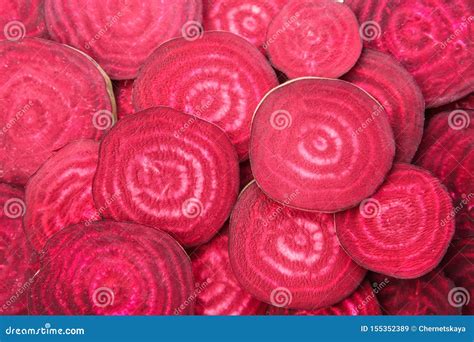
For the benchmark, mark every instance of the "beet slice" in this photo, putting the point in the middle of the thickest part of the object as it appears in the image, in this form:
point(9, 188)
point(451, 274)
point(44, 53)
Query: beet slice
point(326, 138)
point(361, 302)
point(219, 291)
point(378, 236)
point(246, 175)
point(459, 266)
point(14, 253)
point(464, 103)
point(123, 97)
point(384, 78)
point(248, 19)
point(22, 18)
point(436, 46)
point(112, 268)
point(223, 79)
point(118, 34)
point(314, 38)
point(286, 257)
point(59, 194)
point(169, 170)
point(427, 295)
point(51, 95)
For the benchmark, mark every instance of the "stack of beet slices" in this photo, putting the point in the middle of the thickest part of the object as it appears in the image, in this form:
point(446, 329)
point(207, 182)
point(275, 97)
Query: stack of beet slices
point(211, 157)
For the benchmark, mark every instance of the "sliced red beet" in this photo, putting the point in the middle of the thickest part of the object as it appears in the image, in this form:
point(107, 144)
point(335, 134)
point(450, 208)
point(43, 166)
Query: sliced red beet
point(464, 103)
point(314, 38)
point(459, 266)
point(246, 175)
point(436, 46)
point(14, 253)
point(59, 194)
point(22, 18)
point(248, 19)
point(169, 170)
point(286, 257)
point(51, 95)
point(378, 236)
point(112, 268)
point(427, 295)
point(121, 34)
point(219, 291)
point(362, 301)
point(123, 96)
point(384, 78)
point(219, 78)
point(327, 139)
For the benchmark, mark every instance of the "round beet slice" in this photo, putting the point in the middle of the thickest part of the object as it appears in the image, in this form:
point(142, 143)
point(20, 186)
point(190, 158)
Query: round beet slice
point(22, 18)
point(51, 94)
point(169, 170)
point(361, 302)
point(14, 253)
point(435, 46)
point(326, 138)
point(459, 266)
point(384, 78)
point(112, 268)
point(399, 231)
point(314, 38)
point(248, 19)
point(223, 77)
point(286, 257)
point(123, 97)
point(121, 34)
point(219, 291)
point(59, 194)
point(427, 295)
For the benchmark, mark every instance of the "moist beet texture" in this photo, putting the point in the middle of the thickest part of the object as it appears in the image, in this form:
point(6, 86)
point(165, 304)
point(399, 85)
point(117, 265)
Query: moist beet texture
point(22, 18)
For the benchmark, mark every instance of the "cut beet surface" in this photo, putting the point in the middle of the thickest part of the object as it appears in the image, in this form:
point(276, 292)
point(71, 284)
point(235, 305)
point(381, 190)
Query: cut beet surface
point(21, 18)
point(219, 291)
point(384, 78)
point(121, 34)
point(436, 46)
point(219, 77)
point(314, 38)
point(248, 19)
point(428, 295)
point(123, 96)
point(59, 194)
point(169, 170)
point(378, 235)
point(112, 268)
point(327, 139)
point(464, 103)
point(361, 302)
point(50, 95)
point(14, 253)
point(459, 266)
point(286, 257)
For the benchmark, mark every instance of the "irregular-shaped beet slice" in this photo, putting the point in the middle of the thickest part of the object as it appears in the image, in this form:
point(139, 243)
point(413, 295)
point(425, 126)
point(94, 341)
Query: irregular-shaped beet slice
point(169, 170)
point(59, 194)
point(248, 19)
point(118, 34)
point(224, 78)
point(435, 46)
point(219, 291)
point(378, 236)
point(362, 301)
point(14, 253)
point(112, 268)
point(466, 102)
point(384, 78)
point(22, 18)
point(427, 295)
point(314, 38)
point(459, 266)
point(123, 97)
point(286, 257)
point(327, 139)
point(246, 175)
point(51, 94)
